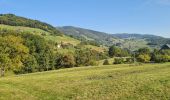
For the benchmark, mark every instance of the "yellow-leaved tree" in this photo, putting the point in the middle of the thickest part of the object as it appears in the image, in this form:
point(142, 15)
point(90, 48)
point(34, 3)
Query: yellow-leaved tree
point(12, 53)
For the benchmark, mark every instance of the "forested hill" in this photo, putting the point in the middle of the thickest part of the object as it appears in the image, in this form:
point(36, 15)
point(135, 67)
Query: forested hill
point(151, 39)
point(123, 39)
point(28, 46)
point(135, 35)
point(13, 20)
point(87, 34)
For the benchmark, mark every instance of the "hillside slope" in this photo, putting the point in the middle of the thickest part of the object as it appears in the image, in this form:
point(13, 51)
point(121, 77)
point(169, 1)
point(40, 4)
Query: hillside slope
point(152, 40)
point(55, 38)
point(123, 82)
point(45, 34)
point(124, 40)
point(13, 20)
point(86, 34)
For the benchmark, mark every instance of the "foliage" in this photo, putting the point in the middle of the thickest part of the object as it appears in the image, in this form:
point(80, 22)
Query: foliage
point(33, 53)
point(65, 61)
point(13, 52)
point(144, 51)
point(27, 52)
point(30, 65)
point(129, 60)
point(145, 58)
point(11, 19)
point(94, 43)
point(118, 61)
point(117, 52)
point(161, 58)
point(144, 55)
point(87, 35)
point(86, 57)
point(106, 62)
point(41, 50)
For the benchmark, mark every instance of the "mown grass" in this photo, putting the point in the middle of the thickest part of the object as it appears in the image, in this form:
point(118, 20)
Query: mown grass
point(113, 82)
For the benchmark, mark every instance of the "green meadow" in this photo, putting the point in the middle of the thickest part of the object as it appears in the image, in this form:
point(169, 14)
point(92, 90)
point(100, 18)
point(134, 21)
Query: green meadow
point(45, 34)
point(112, 82)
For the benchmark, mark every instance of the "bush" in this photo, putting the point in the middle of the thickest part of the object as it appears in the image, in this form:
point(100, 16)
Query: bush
point(65, 61)
point(86, 57)
point(161, 58)
point(117, 52)
point(129, 60)
point(106, 62)
point(92, 63)
point(119, 61)
point(145, 58)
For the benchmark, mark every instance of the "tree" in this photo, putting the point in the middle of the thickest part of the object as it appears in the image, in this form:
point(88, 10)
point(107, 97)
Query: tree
point(13, 20)
point(42, 51)
point(13, 52)
point(65, 61)
point(144, 55)
point(159, 58)
point(106, 62)
point(144, 51)
point(118, 61)
point(4, 63)
point(154, 54)
point(145, 58)
point(86, 57)
point(114, 51)
point(117, 52)
point(30, 64)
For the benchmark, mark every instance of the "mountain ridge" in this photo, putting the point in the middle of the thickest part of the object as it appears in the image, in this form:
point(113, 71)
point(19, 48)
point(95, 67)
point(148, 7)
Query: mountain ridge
point(104, 38)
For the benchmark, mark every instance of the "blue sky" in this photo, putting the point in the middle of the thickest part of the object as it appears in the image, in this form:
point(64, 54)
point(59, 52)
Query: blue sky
point(111, 16)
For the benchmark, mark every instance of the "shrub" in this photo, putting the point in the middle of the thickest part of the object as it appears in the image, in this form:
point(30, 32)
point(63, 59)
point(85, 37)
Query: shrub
point(106, 62)
point(119, 61)
point(117, 52)
point(161, 58)
point(92, 63)
point(145, 58)
point(129, 60)
point(86, 57)
point(66, 61)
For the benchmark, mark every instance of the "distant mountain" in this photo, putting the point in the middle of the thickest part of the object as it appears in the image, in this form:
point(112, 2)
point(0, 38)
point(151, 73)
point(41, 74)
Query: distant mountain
point(122, 39)
point(151, 39)
point(86, 34)
point(135, 35)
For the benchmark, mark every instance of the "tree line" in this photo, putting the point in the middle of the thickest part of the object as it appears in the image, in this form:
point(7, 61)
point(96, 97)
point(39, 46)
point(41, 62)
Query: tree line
point(143, 55)
point(13, 20)
point(22, 52)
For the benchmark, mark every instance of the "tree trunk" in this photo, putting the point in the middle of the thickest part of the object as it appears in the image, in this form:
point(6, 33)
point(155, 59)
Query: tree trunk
point(2, 72)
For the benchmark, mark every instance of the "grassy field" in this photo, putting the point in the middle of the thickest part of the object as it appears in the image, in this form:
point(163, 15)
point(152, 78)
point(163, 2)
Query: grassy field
point(47, 35)
point(113, 82)
point(135, 44)
point(111, 60)
point(99, 49)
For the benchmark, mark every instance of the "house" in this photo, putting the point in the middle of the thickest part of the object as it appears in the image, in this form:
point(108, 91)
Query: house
point(165, 47)
point(59, 46)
